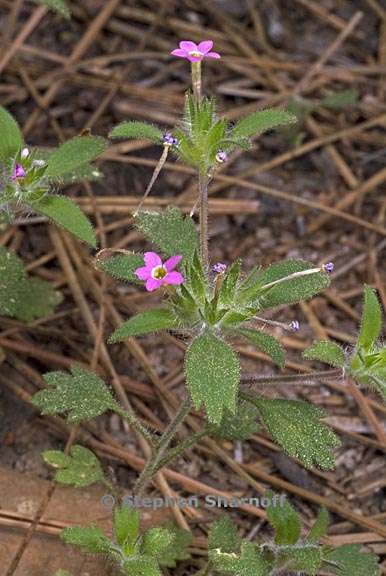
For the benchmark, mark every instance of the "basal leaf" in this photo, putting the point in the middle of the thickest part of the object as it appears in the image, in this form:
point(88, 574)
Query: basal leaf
point(327, 352)
point(73, 154)
point(140, 130)
point(170, 231)
point(82, 394)
point(67, 214)
point(213, 374)
point(371, 324)
point(144, 323)
point(155, 541)
point(296, 427)
point(11, 139)
point(261, 121)
point(88, 538)
point(266, 343)
point(80, 468)
point(126, 527)
point(250, 562)
point(223, 536)
point(141, 566)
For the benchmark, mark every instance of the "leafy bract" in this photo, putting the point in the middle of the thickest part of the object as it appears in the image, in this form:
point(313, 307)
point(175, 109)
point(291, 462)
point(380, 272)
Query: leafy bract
point(295, 425)
point(89, 538)
point(261, 121)
point(147, 322)
point(327, 352)
point(79, 468)
point(213, 374)
point(138, 130)
point(82, 394)
point(121, 266)
point(74, 153)
point(67, 214)
point(371, 323)
point(266, 343)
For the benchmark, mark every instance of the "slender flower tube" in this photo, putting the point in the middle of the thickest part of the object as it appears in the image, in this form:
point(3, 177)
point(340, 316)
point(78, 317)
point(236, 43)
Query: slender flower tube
point(157, 273)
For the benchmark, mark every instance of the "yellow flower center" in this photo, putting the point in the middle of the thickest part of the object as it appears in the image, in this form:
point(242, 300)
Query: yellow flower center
point(195, 54)
point(159, 272)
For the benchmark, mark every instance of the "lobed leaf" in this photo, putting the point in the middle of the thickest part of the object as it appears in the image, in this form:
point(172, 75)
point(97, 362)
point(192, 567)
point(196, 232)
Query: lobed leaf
point(82, 394)
point(327, 352)
point(121, 266)
point(223, 536)
point(251, 562)
point(141, 566)
point(285, 520)
point(140, 130)
point(349, 560)
point(73, 154)
point(295, 425)
point(80, 468)
point(266, 343)
point(88, 538)
point(213, 374)
point(67, 214)
point(155, 541)
point(238, 426)
point(144, 323)
point(11, 139)
point(177, 550)
point(261, 121)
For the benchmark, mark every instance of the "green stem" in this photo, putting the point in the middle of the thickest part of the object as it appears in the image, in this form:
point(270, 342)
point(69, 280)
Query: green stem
point(196, 82)
point(292, 378)
point(181, 448)
point(204, 212)
point(153, 463)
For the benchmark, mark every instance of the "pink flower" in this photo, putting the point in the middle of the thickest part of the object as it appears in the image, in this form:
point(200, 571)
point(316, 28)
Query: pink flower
point(18, 172)
point(195, 53)
point(157, 273)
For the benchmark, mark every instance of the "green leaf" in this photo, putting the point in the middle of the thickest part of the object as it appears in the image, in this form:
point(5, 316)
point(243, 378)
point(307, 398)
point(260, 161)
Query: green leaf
point(295, 426)
point(339, 100)
point(144, 323)
point(20, 297)
point(126, 527)
point(88, 538)
point(84, 173)
point(266, 343)
point(213, 374)
point(286, 282)
point(177, 550)
point(251, 561)
point(171, 231)
point(349, 560)
point(73, 154)
point(229, 284)
point(82, 394)
point(284, 519)
point(67, 214)
point(155, 541)
point(239, 426)
point(141, 566)
point(327, 352)
point(223, 536)
point(261, 121)
point(11, 139)
point(121, 266)
point(58, 6)
point(319, 528)
point(80, 468)
point(305, 559)
point(140, 130)
point(371, 324)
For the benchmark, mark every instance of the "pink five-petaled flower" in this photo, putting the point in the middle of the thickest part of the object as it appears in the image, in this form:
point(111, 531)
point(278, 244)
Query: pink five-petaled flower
point(157, 273)
point(195, 52)
point(18, 172)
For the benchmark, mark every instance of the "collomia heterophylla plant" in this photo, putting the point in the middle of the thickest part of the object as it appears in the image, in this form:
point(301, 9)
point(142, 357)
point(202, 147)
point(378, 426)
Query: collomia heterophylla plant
point(211, 305)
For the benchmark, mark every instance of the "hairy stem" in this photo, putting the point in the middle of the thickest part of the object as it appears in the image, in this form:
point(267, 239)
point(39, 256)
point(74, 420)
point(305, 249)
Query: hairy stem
point(181, 448)
point(292, 378)
point(196, 82)
point(153, 463)
point(204, 236)
point(135, 423)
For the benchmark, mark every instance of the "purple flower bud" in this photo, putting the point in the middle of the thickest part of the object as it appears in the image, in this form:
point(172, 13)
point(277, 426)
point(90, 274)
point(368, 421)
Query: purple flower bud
point(18, 172)
point(24, 153)
point(169, 139)
point(329, 267)
point(219, 268)
point(294, 326)
point(221, 157)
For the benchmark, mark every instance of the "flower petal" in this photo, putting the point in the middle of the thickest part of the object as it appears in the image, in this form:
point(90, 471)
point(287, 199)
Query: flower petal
point(205, 46)
point(143, 273)
point(194, 58)
point(173, 278)
point(179, 52)
point(153, 284)
point(172, 262)
point(152, 259)
point(188, 45)
point(212, 55)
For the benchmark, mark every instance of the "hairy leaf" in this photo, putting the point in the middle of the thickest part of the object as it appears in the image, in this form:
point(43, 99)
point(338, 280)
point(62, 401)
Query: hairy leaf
point(138, 130)
point(177, 550)
point(238, 426)
point(306, 559)
point(82, 394)
point(80, 468)
point(88, 538)
point(296, 427)
point(67, 214)
point(371, 324)
point(155, 541)
point(126, 527)
point(223, 536)
point(58, 6)
point(121, 266)
point(349, 560)
point(261, 121)
point(327, 352)
point(266, 343)
point(144, 323)
point(213, 374)
point(319, 527)
point(171, 231)
point(251, 561)
point(141, 566)
point(73, 154)
point(285, 521)
point(11, 139)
